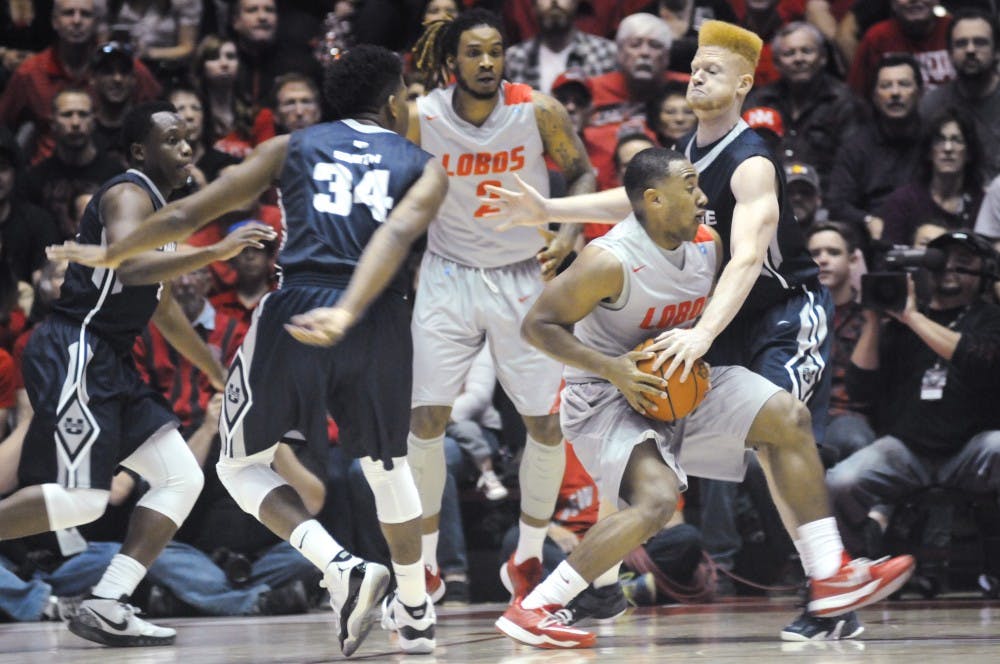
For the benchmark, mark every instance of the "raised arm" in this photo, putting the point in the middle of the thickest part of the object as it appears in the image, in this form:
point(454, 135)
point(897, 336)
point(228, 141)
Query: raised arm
point(526, 207)
point(379, 262)
point(755, 222)
point(235, 188)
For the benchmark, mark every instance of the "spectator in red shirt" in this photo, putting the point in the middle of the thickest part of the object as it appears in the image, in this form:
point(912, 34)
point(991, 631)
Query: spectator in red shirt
point(172, 374)
point(254, 279)
point(913, 28)
point(66, 64)
point(643, 55)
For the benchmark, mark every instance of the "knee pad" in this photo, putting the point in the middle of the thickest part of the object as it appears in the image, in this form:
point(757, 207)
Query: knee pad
point(174, 476)
point(396, 496)
point(73, 507)
point(540, 475)
point(427, 463)
point(249, 479)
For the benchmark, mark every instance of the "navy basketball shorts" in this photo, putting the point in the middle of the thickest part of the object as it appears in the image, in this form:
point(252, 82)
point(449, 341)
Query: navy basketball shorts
point(789, 344)
point(92, 408)
point(280, 390)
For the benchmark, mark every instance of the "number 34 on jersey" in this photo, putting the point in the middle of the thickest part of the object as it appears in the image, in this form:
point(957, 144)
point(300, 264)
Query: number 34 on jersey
point(371, 190)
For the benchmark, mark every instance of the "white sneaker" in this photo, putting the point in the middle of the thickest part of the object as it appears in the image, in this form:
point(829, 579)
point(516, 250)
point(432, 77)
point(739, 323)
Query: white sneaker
point(115, 623)
point(491, 486)
point(414, 625)
point(361, 586)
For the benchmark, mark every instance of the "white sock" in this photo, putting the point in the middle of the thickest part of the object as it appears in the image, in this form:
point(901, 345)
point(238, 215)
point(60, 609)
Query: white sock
point(822, 551)
point(560, 588)
point(802, 555)
point(312, 540)
point(120, 578)
point(609, 578)
point(410, 583)
point(429, 545)
point(530, 541)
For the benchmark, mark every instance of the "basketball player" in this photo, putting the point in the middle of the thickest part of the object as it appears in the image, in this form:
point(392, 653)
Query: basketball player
point(659, 265)
point(92, 412)
point(769, 312)
point(356, 195)
point(477, 284)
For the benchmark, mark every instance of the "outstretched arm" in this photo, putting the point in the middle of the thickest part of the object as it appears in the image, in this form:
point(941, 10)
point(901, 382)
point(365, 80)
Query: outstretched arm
point(379, 262)
point(235, 188)
point(755, 221)
point(526, 207)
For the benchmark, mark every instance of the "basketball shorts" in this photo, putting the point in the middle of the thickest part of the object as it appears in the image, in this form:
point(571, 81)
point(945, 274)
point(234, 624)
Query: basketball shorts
point(92, 408)
point(790, 345)
point(457, 309)
point(280, 390)
point(710, 442)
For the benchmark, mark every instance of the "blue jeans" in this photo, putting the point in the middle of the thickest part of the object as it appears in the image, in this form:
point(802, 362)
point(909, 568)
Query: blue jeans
point(190, 574)
point(887, 471)
point(845, 435)
point(25, 600)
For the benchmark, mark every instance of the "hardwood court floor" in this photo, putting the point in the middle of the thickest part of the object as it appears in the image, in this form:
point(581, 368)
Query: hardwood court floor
point(739, 631)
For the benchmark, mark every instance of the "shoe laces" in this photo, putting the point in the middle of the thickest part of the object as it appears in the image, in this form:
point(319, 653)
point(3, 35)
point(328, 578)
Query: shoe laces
point(563, 615)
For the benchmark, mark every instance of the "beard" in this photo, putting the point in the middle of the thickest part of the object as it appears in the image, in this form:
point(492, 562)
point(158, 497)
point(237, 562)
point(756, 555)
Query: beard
point(475, 94)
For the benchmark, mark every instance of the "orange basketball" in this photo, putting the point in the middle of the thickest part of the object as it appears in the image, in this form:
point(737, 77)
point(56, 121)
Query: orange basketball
point(682, 398)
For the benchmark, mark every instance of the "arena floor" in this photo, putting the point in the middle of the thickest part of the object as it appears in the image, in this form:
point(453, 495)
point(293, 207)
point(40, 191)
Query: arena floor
point(738, 631)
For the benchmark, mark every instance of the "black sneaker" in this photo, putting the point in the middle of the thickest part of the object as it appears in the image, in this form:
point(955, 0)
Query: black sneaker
point(285, 600)
point(808, 627)
point(456, 592)
point(605, 603)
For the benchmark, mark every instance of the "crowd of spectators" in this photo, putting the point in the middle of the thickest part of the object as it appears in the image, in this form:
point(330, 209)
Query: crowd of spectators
point(884, 113)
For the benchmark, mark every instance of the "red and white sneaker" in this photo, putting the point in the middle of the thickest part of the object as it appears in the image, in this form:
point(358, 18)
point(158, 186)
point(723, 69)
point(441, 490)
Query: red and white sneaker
point(435, 584)
point(859, 582)
point(519, 580)
point(542, 628)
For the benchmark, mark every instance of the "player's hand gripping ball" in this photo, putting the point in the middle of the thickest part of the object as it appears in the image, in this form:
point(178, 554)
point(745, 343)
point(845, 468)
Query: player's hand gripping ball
point(682, 398)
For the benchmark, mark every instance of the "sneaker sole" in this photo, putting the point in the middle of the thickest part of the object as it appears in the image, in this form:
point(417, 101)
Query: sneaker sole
point(362, 619)
point(521, 635)
point(877, 595)
point(795, 636)
point(505, 580)
point(438, 592)
point(118, 640)
point(421, 646)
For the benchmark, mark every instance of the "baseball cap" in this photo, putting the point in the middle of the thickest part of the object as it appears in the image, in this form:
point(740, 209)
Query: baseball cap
point(765, 117)
point(113, 52)
point(576, 77)
point(797, 171)
point(976, 243)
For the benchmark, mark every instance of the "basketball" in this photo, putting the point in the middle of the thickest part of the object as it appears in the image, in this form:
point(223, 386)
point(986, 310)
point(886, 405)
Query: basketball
point(682, 398)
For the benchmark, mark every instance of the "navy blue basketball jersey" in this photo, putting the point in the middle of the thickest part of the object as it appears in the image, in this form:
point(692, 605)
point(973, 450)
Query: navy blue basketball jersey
point(787, 265)
point(339, 184)
point(96, 298)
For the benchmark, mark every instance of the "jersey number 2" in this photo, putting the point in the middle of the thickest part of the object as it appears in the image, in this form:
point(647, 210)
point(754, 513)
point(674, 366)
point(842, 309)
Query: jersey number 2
point(481, 193)
point(372, 191)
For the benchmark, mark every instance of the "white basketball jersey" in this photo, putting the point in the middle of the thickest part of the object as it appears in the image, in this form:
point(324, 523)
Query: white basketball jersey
point(507, 143)
point(656, 294)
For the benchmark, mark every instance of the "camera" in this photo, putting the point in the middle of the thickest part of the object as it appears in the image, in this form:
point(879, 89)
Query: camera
point(886, 289)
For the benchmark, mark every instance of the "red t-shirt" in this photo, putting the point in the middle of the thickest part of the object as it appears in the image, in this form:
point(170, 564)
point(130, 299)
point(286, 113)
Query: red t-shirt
point(887, 37)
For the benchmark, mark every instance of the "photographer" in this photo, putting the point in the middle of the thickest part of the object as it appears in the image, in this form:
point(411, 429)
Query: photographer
point(935, 373)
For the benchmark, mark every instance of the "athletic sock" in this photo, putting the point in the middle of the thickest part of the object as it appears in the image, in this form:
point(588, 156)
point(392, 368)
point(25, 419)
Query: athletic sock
point(822, 550)
point(530, 541)
point(429, 545)
point(609, 578)
point(120, 578)
point(559, 587)
point(802, 555)
point(312, 540)
point(410, 583)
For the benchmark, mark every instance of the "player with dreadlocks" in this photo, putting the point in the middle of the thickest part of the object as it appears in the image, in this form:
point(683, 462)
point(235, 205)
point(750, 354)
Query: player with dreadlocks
point(477, 283)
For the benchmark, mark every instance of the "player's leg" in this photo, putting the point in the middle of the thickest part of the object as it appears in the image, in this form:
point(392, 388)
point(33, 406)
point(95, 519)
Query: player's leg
point(266, 394)
point(175, 480)
point(782, 434)
point(446, 339)
point(650, 488)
